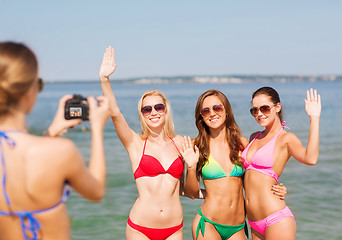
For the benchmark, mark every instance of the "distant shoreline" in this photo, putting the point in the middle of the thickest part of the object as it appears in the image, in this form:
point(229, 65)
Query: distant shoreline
point(235, 79)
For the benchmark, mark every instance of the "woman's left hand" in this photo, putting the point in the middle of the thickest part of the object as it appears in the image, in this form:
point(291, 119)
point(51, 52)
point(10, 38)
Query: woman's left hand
point(313, 103)
point(98, 111)
point(279, 190)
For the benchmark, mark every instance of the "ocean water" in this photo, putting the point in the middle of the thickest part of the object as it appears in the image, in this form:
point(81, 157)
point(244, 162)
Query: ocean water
point(314, 192)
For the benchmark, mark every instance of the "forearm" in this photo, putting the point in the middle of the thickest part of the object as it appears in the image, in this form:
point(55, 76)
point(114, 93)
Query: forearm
point(51, 132)
point(192, 185)
point(108, 92)
point(312, 150)
point(97, 164)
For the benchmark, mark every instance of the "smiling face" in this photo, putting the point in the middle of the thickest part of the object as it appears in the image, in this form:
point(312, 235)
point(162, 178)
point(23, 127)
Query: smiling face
point(216, 116)
point(156, 118)
point(155, 115)
point(266, 111)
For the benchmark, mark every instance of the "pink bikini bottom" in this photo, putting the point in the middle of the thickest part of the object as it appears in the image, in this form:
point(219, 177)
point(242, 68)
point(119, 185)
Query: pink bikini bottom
point(261, 225)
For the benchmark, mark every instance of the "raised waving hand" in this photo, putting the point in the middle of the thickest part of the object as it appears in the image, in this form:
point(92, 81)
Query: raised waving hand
point(313, 103)
point(308, 155)
point(108, 64)
point(189, 153)
point(191, 156)
point(124, 132)
point(107, 68)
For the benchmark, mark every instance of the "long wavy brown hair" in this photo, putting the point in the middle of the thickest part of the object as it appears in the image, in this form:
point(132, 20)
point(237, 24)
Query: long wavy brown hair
point(233, 132)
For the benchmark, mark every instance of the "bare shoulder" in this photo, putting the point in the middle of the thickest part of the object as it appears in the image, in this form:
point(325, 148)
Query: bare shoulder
point(59, 142)
point(253, 135)
point(178, 139)
point(60, 148)
point(287, 137)
point(49, 156)
point(135, 149)
point(244, 141)
point(135, 144)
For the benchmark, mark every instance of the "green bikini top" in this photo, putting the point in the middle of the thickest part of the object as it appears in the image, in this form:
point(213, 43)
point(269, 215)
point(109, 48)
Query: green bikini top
point(213, 170)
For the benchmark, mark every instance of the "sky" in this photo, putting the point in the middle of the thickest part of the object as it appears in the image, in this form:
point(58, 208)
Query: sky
point(177, 38)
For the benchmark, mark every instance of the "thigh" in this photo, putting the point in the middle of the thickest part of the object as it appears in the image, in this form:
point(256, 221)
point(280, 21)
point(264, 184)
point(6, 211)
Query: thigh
point(256, 235)
point(194, 226)
point(132, 234)
point(240, 235)
point(177, 235)
point(283, 230)
point(210, 232)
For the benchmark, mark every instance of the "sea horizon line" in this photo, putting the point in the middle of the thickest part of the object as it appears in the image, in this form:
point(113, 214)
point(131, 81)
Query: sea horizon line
point(234, 78)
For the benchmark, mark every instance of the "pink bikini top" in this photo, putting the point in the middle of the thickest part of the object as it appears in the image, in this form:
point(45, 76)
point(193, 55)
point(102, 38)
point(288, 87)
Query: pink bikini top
point(149, 166)
point(262, 160)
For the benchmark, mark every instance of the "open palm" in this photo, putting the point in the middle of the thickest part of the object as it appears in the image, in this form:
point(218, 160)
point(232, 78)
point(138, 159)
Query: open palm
point(313, 103)
point(108, 63)
point(189, 153)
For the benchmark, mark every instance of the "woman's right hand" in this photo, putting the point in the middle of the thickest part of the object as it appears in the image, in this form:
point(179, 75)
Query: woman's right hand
point(279, 190)
point(98, 111)
point(108, 64)
point(189, 153)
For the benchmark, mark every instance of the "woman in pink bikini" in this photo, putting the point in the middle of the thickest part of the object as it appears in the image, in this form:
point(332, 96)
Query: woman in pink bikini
point(266, 155)
point(156, 162)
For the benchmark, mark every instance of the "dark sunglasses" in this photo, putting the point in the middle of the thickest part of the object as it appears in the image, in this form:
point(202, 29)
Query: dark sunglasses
point(218, 109)
point(40, 84)
point(160, 108)
point(265, 109)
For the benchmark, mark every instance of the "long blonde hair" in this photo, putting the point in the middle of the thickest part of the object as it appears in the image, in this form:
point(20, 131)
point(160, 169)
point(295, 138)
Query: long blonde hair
point(18, 71)
point(169, 128)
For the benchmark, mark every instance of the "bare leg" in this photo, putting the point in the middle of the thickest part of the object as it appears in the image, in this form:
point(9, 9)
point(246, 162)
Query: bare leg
point(283, 230)
point(240, 235)
point(132, 234)
point(210, 231)
point(257, 236)
point(177, 235)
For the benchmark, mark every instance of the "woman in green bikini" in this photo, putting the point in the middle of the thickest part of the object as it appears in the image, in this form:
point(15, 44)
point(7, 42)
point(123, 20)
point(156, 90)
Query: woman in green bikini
point(216, 158)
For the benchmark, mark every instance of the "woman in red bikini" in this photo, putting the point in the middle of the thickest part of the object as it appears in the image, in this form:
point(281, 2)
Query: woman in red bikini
point(265, 158)
point(156, 162)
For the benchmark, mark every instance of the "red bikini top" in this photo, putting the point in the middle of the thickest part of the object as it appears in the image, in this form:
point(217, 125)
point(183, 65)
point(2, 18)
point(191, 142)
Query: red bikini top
point(149, 166)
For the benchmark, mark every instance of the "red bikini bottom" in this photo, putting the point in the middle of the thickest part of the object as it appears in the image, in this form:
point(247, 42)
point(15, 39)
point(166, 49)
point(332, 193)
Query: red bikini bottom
point(154, 233)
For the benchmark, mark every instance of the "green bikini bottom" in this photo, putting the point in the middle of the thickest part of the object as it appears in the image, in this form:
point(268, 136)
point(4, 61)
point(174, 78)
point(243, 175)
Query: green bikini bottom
point(225, 231)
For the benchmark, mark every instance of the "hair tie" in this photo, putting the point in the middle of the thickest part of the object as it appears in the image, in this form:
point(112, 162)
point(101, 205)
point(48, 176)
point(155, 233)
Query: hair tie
point(283, 125)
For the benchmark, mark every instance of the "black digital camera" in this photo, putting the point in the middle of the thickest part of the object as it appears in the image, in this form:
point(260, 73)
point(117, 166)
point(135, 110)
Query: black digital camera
point(77, 107)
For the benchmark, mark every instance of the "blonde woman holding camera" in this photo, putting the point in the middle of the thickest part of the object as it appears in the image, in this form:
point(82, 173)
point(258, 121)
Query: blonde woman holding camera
point(36, 171)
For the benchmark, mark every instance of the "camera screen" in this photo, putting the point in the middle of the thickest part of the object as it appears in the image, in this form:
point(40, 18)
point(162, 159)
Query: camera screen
point(76, 112)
